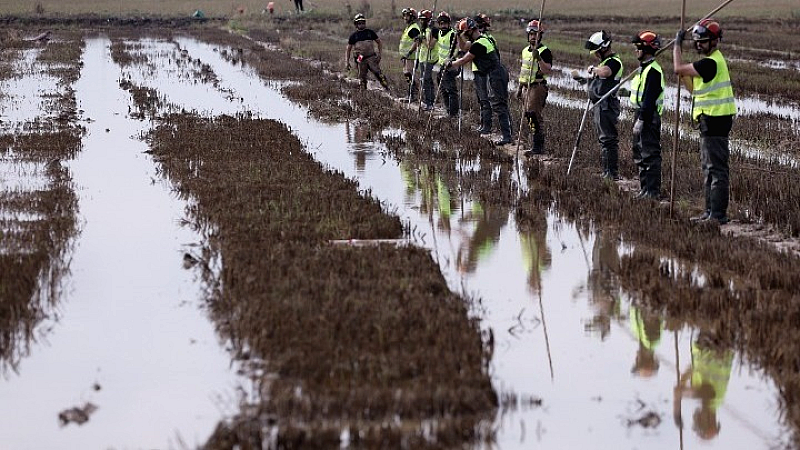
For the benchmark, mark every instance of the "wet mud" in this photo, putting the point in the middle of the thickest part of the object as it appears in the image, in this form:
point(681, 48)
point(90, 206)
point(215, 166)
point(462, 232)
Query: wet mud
point(329, 363)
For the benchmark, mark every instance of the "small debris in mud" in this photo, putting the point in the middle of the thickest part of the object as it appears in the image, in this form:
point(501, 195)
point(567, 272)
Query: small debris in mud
point(650, 419)
point(78, 415)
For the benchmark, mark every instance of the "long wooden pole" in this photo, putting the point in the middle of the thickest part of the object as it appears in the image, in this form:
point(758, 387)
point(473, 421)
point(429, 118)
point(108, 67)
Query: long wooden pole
point(676, 130)
point(530, 78)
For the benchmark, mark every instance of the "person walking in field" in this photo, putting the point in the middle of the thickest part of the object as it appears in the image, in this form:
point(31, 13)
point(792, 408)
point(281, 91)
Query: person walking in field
point(535, 65)
point(713, 108)
point(428, 56)
point(484, 55)
point(647, 96)
point(602, 78)
point(298, 6)
point(409, 42)
point(362, 47)
point(444, 39)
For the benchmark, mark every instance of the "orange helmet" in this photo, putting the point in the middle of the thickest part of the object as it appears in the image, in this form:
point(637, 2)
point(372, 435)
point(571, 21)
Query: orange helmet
point(443, 17)
point(425, 14)
point(647, 41)
point(483, 21)
point(706, 30)
point(534, 27)
point(466, 24)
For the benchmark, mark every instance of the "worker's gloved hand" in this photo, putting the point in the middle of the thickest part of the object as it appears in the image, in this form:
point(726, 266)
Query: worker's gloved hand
point(535, 54)
point(448, 63)
point(590, 70)
point(637, 127)
point(680, 36)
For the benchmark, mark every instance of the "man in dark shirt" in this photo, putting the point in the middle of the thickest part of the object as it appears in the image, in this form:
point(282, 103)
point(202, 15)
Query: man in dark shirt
point(483, 53)
point(713, 107)
point(602, 78)
point(647, 96)
point(362, 45)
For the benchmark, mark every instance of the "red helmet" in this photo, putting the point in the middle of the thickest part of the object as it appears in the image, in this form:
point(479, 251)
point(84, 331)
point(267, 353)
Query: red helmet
point(443, 17)
point(409, 12)
point(647, 41)
point(466, 24)
point(425, 14)
point(534, 27)
point(706, 30)
point(483, 21)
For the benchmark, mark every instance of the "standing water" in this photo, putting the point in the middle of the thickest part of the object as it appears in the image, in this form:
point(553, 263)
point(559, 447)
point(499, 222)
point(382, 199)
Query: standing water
point(131, 338)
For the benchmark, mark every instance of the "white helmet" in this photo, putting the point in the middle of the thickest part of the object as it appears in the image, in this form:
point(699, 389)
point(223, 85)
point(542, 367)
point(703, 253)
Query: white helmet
point(597, 41)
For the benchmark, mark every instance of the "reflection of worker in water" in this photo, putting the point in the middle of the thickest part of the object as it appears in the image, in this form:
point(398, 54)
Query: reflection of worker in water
point(433, 189)
point(535, 253)
point(359, 135)
point(646, 327)
point(603, 287)
point(490, 221)
point(708, 381)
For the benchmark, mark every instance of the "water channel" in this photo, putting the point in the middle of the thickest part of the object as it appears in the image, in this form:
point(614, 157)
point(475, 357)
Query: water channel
point(565, 334)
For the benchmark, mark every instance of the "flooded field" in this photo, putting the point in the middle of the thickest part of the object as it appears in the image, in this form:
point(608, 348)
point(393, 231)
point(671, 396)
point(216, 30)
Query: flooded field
point(149, 300)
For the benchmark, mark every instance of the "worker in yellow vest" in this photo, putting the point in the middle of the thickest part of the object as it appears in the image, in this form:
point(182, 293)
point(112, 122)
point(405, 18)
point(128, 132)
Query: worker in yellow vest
point(603, 77)
point(713, 108)
point(409, 42)
point(647, 96)
point(535, 65)
point(444, 38)
point(428, 57)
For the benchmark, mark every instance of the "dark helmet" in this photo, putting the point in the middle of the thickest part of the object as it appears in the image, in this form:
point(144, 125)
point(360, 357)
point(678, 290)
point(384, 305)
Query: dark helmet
point(483, 21)
point(425, 14)
point(534, 26)
point(443, 17)
point(706, 30)
point(598, 41)
point(411, 12)
point(647, 41)
point(466, 24)
point(359, 18)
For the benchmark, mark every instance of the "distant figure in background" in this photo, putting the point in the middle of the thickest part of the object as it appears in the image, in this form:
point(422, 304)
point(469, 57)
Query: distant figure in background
point(298, 5)
point(271, 7)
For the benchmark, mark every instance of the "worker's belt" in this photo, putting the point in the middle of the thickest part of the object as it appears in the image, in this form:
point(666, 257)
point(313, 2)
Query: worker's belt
point(534, 83)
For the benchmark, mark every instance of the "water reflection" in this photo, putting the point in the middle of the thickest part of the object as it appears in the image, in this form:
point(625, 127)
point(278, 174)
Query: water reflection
point(706, 381)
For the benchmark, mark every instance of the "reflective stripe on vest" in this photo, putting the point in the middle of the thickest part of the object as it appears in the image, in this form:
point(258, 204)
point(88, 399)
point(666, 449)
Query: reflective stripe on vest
point(443, 45)
point(407, 42)
point(637, 86)
point(714, 98)
point(526, 75)
point(432, 54)
point(618, 75)
point(493, 46)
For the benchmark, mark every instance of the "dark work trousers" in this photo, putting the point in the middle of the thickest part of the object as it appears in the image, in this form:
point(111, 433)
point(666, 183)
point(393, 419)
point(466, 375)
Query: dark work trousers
point(428, 91)
point(371, 64)
point(714, 157)
point(498, 82)
point(647, 155)
point(606, 116)
point(298, 5)
point(481, 81)
point(450, 90)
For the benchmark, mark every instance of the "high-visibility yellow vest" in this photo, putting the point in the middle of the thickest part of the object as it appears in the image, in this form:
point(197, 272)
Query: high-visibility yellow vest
point(443, 45)
point(493, 43)
point(407, 42)
point(618, 75)
point(712, 368)
point(714, 98)
point(527, 74)
point(428, 54)
point(637, 85)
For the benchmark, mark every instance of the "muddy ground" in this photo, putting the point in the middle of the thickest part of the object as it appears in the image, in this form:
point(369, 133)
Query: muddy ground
point(370, 342)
